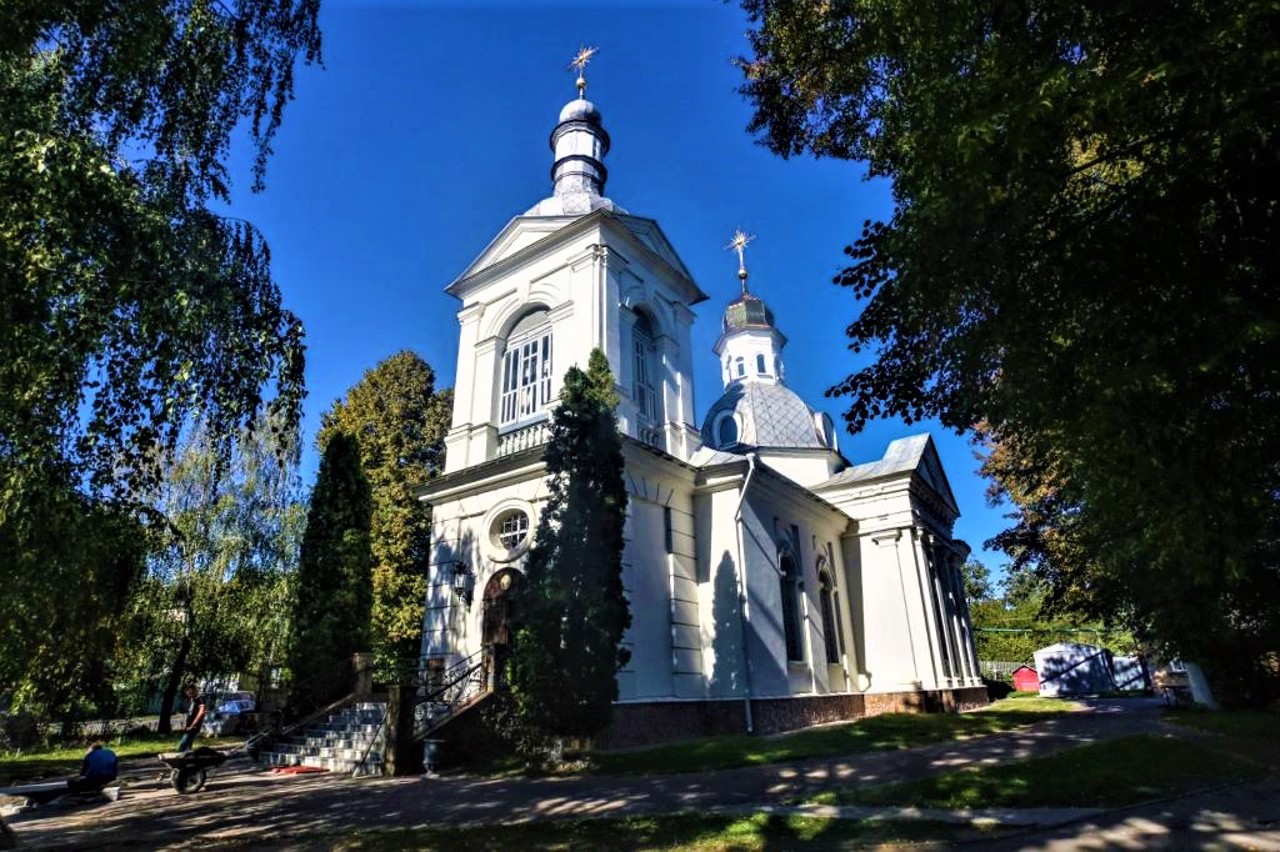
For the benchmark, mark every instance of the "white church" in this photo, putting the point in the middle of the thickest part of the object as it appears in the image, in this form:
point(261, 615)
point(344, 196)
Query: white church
point(772, 583)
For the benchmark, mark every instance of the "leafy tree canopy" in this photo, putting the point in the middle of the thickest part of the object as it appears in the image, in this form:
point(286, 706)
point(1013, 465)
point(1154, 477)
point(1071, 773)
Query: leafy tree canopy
point(215, 601)
point(1012, 623)
point(1081, 257)
point(128, 304)
point(571, 611)
point(68, 583)
point(977, 580)
point(399, 421)
point(127, 307)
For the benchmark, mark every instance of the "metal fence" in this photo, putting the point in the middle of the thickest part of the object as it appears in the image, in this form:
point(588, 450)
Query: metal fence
point(999, 669)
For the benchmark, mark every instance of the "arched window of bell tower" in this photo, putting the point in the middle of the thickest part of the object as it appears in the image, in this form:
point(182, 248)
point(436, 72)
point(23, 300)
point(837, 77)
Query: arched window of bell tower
point(646, 384)
point(526, 368)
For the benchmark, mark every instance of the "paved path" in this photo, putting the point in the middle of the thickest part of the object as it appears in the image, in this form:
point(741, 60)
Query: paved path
point(253, 805)
point(1242, 816)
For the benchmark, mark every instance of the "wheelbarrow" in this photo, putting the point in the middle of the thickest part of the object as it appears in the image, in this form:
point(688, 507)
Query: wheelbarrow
point(190, 769)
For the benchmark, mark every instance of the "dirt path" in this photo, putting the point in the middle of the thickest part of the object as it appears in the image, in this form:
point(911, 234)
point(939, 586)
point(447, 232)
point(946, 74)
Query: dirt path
point(254, 805)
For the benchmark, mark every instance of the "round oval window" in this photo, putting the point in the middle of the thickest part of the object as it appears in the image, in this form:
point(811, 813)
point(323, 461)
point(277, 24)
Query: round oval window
point(510, 529)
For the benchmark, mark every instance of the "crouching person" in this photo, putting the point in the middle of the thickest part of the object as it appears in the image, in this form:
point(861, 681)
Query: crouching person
point(99, 768)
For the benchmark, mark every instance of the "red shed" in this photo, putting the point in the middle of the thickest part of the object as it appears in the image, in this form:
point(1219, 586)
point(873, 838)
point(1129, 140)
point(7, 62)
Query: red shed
point(1025, 679)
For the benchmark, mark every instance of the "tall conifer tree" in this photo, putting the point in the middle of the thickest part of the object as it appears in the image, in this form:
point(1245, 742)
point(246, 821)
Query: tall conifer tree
point(335, 590)
point(572, 612)
point(399, 420)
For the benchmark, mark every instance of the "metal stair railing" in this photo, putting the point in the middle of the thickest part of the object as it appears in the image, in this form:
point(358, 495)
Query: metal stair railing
point(460, 684)
point(277, 732)
point(377, 739)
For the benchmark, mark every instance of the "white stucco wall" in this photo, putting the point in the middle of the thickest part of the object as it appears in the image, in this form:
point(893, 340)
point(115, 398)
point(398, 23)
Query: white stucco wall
point(593, 282)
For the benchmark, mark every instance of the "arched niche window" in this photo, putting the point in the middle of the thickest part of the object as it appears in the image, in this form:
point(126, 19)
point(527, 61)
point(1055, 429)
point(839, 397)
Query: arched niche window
point(740, 366)
point(526, 368)
point(790, 589)
point(726, 430)
point(645, 385)
point(830, 614)
point(760, 367)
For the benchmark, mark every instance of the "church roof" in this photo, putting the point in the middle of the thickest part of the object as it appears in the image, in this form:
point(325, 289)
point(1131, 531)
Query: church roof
point(913, 454)
point(766, 415)
point(707, 457)
point(901, 456)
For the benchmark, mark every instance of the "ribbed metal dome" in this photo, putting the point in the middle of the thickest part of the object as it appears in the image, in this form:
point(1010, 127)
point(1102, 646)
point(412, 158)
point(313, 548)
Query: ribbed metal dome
point(747, 311)
point(765, 415)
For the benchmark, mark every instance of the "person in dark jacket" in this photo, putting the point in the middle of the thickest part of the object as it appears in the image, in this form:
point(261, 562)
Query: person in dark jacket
point(195, 717)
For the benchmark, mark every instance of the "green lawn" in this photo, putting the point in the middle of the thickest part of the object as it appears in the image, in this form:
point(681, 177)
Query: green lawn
point(1257, 725)
point(1109, 774)
point(1252, 735)
point(35, 764)
point(683, 832)
point(889, 731)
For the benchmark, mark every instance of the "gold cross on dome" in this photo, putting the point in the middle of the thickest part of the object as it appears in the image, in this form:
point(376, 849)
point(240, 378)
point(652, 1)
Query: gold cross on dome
point(739, 244)
point(579, 64)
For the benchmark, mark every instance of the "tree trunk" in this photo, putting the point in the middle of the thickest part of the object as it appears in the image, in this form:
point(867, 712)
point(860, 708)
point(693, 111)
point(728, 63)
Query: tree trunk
point(165, 725)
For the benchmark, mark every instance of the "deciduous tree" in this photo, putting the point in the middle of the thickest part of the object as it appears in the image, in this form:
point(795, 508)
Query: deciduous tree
point(215, 600)
point(129, 304)
point(1081, 258)
point(977, 581)
point(571, 610)
point(69, 581)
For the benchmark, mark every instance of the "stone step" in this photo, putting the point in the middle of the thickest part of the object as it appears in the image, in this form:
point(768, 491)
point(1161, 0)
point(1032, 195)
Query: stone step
point(347, 724)
point(339, 730)
point(347, 766)
point(353, 719)
point(328, 752)
point(310, 738)
point(318, 748)
point(363, 710)
point(346, 742)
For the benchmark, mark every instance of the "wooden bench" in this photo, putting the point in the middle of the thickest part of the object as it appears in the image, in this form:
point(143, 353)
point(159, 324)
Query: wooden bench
point(54, 791)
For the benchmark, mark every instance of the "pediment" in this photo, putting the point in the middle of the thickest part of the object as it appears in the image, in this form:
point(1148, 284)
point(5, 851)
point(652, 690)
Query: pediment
point(518, 234)
point(650, 234)
point(930, 470)
point(914, 457)
point(529, 235)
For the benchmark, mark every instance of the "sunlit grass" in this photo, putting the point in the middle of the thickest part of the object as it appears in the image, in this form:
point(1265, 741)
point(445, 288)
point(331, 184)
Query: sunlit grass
point(63, 761)
point(1108, 774)
point(876, 733)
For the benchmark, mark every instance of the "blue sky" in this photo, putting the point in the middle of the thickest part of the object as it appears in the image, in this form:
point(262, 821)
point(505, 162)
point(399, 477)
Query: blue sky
point(427, 130)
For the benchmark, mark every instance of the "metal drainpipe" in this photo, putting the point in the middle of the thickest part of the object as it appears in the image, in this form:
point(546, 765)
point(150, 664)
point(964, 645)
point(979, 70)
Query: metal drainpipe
point(743, 616)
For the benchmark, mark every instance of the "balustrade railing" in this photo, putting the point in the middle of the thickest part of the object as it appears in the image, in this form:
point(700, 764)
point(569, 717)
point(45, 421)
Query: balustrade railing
point(533, 435)
point(652, 435)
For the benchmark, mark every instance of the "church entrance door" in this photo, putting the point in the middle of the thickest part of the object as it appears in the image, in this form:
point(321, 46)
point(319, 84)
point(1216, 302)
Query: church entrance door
point(496, 604)
point(496, 634)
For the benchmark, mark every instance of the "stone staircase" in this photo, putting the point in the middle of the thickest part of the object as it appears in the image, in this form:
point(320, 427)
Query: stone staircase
point(348, 741)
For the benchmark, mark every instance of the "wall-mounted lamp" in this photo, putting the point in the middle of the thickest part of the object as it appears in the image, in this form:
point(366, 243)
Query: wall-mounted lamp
point(461, 580)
